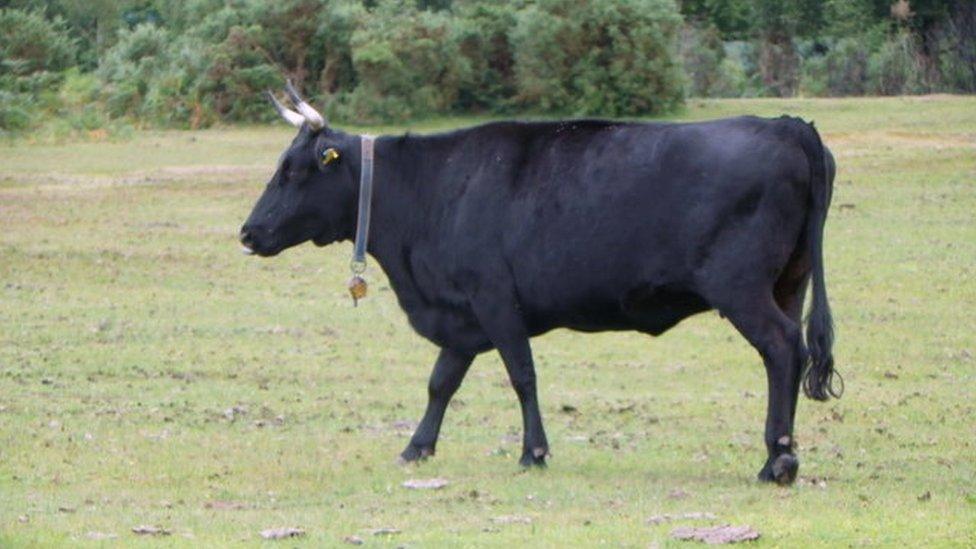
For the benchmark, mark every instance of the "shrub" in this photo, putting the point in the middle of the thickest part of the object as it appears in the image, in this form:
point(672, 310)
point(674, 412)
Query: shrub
point(407, 62)
point(34, 52)
point(330, 51)
point(130, 67)
point(842, 69)
point(702, 54)
point(218, 66)
point(31, 44)
point(14, 112)
point(731, 81)
point(613, 58)
point(955, 42)
point(895, 69)
point(482, 29)
point(237, 72)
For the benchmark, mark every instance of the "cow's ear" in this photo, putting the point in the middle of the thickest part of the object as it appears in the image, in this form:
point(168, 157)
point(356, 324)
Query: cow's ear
point(329, 156)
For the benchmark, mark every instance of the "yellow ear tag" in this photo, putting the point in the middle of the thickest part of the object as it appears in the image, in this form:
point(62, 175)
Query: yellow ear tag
point(329, 156)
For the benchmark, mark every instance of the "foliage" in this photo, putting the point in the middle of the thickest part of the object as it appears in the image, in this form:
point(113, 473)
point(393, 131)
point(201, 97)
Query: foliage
point(733, 18)
point(955, 48)
point(408, 63)
point(195, 63)
point(842, 70)
point(608, 57)
point(34, 51)
point(895, 68)
point(14, 112)
point(31, 44)
point(131, 67)
point(711, 70)
point(484, 33)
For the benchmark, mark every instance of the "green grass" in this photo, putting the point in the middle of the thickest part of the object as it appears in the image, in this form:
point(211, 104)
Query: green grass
point(129, 324)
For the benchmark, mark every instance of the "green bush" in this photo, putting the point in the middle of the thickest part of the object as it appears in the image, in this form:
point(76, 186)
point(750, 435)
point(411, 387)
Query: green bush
point(843, 69)
point(602, 57)
point(956, 46)
point(895, 68)
point(194, 63)
point(237, 71)
point(31, 44)
point(330, 51)
point(741, 69)
point(702, 55)
point(130, 67)
point(483, 30)
point(408, 63)
point(732, 80)
point(34, 52)
point(14, 112)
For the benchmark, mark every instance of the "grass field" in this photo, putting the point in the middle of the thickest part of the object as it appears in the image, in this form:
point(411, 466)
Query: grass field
point(152, 375)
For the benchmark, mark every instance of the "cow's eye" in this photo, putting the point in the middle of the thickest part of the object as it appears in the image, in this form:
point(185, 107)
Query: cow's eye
point(329, 156)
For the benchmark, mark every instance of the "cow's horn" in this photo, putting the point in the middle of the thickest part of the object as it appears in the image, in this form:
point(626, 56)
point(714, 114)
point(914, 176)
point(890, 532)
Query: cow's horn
point(315, 120)
point(289, 115)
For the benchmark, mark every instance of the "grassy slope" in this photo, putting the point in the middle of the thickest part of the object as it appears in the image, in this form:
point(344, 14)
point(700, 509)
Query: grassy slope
point(129, 323)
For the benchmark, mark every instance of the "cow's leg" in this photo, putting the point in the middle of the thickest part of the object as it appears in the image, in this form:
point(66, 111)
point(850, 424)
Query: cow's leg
point(506, 329)
point(444, 381)
point(791, 287)
point(778, 340)
point(517, 357)
point(789, 292)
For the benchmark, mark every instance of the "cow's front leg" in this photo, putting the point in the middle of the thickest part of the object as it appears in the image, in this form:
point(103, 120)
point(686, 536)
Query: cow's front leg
point(444, 381)
point(517, 357)
point(506, 329)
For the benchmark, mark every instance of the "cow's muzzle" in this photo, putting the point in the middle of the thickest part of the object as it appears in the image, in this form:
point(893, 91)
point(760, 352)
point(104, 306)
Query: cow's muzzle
point(247, 241)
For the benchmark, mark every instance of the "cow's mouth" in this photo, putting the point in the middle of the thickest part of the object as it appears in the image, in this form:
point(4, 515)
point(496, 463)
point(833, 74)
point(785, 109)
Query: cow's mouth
point(252, 249)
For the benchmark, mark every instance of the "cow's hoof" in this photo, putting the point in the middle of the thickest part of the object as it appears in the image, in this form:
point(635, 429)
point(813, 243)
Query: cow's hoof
point(536, 457)
point(782, 470)
point(414, 453)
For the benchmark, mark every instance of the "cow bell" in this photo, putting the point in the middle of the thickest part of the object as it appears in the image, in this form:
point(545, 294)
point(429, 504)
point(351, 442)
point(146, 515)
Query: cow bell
point(357, 289)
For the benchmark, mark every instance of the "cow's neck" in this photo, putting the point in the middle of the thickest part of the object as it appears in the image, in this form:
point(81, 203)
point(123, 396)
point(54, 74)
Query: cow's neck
point(404, 197)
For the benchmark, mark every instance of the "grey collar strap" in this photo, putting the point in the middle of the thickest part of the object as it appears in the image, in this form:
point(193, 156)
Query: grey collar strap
point(357, 284)
point(358, 264)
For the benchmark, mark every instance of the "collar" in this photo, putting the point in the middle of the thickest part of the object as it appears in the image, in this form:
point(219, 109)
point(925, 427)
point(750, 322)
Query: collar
point(357, 285)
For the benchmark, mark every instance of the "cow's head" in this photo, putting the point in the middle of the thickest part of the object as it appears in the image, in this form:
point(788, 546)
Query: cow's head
point(312, 194)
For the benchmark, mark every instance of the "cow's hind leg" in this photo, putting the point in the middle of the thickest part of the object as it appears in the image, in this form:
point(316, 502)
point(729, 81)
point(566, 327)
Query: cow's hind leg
point(444, 381)
point(791, 287)
point(779, 341)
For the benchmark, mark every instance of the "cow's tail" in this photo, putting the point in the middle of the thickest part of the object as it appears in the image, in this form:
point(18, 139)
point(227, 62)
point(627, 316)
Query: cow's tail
point(820, 381)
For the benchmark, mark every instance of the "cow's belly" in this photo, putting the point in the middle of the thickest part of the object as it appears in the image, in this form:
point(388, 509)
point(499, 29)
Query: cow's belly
point(643, 307)
point(450, 327)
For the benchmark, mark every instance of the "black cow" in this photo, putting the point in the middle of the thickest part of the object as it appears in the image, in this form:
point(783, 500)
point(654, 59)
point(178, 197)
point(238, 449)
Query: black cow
point(494, 234)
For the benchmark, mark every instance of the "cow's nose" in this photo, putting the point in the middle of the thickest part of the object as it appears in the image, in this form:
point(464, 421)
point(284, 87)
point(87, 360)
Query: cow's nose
point(247, 241)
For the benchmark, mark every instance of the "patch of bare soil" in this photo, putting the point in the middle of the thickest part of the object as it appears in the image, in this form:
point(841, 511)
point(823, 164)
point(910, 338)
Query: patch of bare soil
point(715, 535)
point(425, 484)
point(144, 530)
point(282, 533)
point(511, 519)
